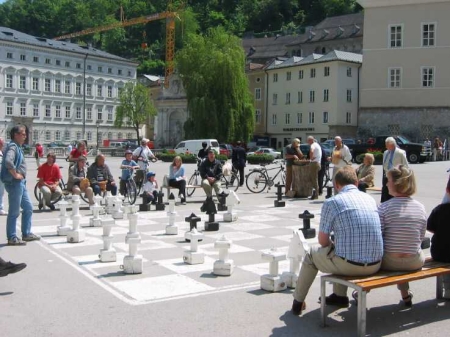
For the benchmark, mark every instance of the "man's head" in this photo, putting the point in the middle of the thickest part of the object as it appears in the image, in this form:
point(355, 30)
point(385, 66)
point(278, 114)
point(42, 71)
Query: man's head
point(345, 176)
point(338, 141)
point(295, 142)
point(204, 145)
point(51, 158)
point(100, 160)
point(18, 134)
point(238, 143)
point(310, 140)
point(81, 146)
point(81, 161)
point(391, 144)
point(144, 141)
point(211, 155)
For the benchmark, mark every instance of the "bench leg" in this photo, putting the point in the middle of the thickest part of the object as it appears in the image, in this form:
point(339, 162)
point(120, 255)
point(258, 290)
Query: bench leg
point(439, 287)
point(322, 301)
point(361, 313)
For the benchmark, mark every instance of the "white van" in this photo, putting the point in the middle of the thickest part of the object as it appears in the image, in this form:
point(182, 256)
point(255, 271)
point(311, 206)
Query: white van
point(193, 146)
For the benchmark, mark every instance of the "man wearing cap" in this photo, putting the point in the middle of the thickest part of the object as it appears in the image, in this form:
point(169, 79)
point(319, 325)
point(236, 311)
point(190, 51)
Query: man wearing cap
point(239, 158)
point(211, 172)
point(292, 152)
point(143, 154)
point(127, 167)
point(150, 189)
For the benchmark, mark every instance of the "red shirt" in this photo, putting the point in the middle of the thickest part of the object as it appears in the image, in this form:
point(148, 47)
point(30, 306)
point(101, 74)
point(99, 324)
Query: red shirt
point(76, 154)
point(49, 174)
point(40, 150)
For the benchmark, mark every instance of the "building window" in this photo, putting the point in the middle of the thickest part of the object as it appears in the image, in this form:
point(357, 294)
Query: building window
point(287, 119)
point(9, 80)
point(288, 98)
point(258, 94)
point(67, 136)
point(9, 108)
point(299, 118)
point(78, 66)
point(311, 118)
point(119, 135)
point(288, 76)
point(89, 135)
point(48, 61)
point(35, 83)
point(35, 135)
point(326, 71)
point(349, 71)
point(325, 95)
point(110, 135)
point(100, 69)
point(78, 135)
point(109, 70)
point(110, 114)
point(313, 72)
point(89, 89)
point(349, 95)
point(394, 78)
point(35, 110)
point(275, 77)
point(395, 36)
point(23, 57)
point(274, 99)
point(89, 67)
point(300, 74)
point(110, 90)
point(325, 117)
point(48, 136)
point(119, 72)
point(300, 97)
point(9, 55)
point(428, 77)
point(67, 108)
point(23, 109)
point(129, 73)
point(67, 64)
point(428, 34)
point(100, 113)
point(67, 87)
point(89, 113)
point(58, 135)
point(99, 90)
point(48, 110)
point(274, 119)
point(47, 85)
point(58, 62)
point(57, 85)
point(258, 116)
point(58, 111)
point(348, 118)
point(312, 96)
point(78, 88)
point(78, 112)
point(35, 59)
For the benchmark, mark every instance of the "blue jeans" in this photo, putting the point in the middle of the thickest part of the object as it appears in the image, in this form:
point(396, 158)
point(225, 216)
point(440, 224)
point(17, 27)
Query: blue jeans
point(18, 198)
point(2, 192)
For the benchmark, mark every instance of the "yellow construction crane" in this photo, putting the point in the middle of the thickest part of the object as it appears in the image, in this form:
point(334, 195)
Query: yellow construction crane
point(170, 34)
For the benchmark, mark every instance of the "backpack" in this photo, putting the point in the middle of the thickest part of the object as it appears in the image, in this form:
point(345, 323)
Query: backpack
point(5, 176)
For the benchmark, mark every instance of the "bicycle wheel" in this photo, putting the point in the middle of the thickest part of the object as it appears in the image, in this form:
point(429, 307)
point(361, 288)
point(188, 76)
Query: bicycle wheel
point(230, 182)
point(139, 180)
point(39, 197)
point(131, 191)
point(194, 180)
point(256, 181)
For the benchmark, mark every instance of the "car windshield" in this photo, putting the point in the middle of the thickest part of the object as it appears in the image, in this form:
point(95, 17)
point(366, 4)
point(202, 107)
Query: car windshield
point(403, 140)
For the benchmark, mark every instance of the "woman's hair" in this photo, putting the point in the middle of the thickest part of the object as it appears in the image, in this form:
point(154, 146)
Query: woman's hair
point(403, 179)
point(370, 156)
point(81, 143)
point(177, 158)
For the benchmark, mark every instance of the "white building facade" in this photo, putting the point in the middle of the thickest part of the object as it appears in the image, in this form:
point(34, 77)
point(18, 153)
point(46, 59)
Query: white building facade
point(59, 90)
point(405, 78)
point(317, 95)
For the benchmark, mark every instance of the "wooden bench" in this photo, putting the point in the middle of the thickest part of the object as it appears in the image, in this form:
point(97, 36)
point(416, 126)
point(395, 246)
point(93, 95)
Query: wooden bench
point(382, 279)
point(165, 185)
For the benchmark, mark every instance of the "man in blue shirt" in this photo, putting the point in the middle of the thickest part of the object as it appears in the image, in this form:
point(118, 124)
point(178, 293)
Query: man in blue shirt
point(357, 249)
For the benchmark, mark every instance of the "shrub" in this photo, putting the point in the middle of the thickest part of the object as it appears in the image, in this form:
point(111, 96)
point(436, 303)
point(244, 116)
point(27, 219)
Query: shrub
point(260, 159)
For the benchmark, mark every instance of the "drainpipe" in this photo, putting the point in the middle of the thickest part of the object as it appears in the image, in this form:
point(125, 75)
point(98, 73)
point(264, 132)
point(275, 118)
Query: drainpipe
point(84, 99)
point(357, 100)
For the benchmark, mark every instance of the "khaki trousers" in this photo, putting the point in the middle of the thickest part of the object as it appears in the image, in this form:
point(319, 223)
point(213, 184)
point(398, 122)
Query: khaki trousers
point(208, 188)
point(410, 263)
point(287, 188)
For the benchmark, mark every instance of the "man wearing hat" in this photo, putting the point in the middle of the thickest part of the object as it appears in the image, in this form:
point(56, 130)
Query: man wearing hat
point(143, 154)
point(127, 167)
point(150, 188)
point(211, 172)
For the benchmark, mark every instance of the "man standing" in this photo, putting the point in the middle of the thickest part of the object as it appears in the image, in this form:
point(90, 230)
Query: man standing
point(292, 152)
point(49, 175)
point(203, 153)
point(239, 159)
point(315, 157)
point(211, 172)
point(392, 157)
point(13, 173)
point(142, 155)
point(358, 246)
point(340, 157)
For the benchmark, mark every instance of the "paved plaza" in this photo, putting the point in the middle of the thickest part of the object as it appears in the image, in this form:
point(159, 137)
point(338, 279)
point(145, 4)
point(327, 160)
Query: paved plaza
point(67, 291)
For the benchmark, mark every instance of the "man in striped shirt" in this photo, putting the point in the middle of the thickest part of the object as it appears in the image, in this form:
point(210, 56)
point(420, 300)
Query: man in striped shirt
point(357, 249)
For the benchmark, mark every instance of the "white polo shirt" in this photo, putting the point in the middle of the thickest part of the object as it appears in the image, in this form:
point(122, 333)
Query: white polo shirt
point(317, 153)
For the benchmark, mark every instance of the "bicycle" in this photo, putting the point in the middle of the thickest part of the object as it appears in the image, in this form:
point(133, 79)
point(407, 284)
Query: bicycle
point(258, 179)
point(131, 190)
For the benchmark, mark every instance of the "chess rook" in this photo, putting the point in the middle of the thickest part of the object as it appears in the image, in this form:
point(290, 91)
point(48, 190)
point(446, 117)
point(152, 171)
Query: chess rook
point(273, 281)
point(223, 266)
point(107, 254)
point(76, 234)
point(63, 227)
point(171, 228)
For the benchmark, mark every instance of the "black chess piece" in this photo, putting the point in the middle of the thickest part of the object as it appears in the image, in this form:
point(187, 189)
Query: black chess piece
point(222, 198)
point(209, 207)
point(279, 202)
point(160, 203)
point(308, 232)
point(192, 219)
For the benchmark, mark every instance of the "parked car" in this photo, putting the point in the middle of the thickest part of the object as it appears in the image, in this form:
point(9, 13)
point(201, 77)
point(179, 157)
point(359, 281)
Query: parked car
point(226, 149)
point(305, 148)
point(266, 150)
point(56, 144)
point(346, 141)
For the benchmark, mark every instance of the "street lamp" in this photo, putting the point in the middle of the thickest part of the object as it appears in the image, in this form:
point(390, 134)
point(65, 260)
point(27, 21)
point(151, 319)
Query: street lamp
point(97, 124)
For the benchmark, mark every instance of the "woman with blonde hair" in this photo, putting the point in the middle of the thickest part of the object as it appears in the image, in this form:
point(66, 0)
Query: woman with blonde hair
point(403, 225)
point(366, 172)
point(177, 178)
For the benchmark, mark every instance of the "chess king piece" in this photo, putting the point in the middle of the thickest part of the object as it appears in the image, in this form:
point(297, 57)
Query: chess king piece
point(107, 253)
point(63, 227)
point(171, 228)
point(308, 232)
point(133, 263)
point(76, 234)
point(193, 256)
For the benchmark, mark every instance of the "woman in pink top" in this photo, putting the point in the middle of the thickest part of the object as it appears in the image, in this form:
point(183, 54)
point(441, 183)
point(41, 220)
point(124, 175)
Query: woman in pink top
point(403, 225)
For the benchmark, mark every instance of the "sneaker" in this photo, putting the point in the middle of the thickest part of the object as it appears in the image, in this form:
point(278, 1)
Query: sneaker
point(31, 237)
point(338, 301)
point(15, 241)
point(10, 268)
point(183, 201)
point(298, 307)
point(51, 206)
point(3, 212)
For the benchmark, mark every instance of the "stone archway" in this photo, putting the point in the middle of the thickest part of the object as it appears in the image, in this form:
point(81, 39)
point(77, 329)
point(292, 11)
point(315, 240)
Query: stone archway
point(176, 124)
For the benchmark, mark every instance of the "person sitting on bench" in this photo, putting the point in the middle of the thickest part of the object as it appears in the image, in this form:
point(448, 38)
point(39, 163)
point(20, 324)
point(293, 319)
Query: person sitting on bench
point(366, 172)
point(403, 224)
point(150, 193)
point(177, 178)
point(211, 172)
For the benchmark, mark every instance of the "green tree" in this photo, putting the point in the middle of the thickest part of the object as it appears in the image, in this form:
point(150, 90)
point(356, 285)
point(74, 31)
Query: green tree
point(135, 107)
point(220, 105)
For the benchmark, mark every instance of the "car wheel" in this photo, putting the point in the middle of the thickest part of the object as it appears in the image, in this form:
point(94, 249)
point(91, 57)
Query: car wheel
point(413, 158)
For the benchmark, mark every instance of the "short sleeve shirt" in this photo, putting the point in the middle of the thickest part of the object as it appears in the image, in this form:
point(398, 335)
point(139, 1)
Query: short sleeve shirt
point(291, 151)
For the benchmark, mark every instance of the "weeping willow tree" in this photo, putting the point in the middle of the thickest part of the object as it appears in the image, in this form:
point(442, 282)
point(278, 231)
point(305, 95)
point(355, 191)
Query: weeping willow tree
point(212, 68)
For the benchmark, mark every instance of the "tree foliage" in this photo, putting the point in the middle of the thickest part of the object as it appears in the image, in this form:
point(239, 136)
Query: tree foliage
point(211, 67)
point(135, 107)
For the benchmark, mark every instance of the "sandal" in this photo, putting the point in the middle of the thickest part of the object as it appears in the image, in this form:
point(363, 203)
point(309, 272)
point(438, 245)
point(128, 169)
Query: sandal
point(355, 296)
point(408, 299)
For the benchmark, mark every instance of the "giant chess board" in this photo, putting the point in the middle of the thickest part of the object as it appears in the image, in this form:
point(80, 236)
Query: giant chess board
point(165, 275)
